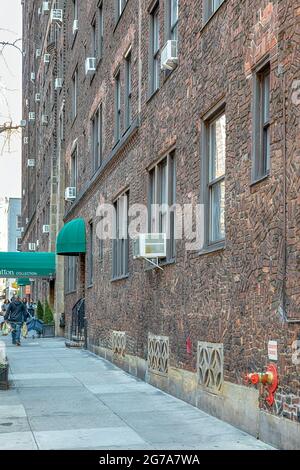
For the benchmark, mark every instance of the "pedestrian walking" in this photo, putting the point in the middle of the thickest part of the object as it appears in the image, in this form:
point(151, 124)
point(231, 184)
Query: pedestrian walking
point(16, 314)
point(4, 308)
point(31, 309)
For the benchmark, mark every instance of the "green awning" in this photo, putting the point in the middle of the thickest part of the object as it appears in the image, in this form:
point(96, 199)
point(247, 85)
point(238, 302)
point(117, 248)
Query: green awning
point(25, 265)
point(23, 282)
point(71, 240)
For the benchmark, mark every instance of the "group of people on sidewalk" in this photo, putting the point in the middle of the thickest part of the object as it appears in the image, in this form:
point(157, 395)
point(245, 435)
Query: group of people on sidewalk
point(16, 312)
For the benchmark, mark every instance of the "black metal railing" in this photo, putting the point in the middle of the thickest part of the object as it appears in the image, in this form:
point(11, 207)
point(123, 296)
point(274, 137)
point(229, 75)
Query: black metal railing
point(78, 326)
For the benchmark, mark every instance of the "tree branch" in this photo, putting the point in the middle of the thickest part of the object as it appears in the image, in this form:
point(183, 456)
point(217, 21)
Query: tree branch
point(12, 44)
point(8, 126)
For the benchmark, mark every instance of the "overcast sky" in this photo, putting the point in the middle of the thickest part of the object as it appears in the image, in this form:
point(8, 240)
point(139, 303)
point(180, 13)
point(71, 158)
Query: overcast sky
point(10, 96)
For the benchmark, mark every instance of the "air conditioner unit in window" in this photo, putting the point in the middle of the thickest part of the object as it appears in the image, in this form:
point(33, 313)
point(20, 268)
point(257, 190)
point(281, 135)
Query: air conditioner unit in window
point(32, 76)
point(46, 228)
point(31, 116)
point(58, 83)
point(31, 246)
point(70, 194)
point(25, 140)
point(169, 55)
point(90, 66)
point(38, 53)
point(37, 97)
point(56, 16)
point(31, 162)
point(150, 246)
point(23, 123)
point(47, 58)
point(45, 7)
point(75, 26)
point(44, 120)
point(22, 229)
point(26, 220)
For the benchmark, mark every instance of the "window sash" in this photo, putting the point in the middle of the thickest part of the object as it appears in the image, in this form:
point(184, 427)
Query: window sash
point(120, 7)
point(94, 44)
point(75, 9)
point(97, 138)
point(117, 107)
point(211, 7)
point(162, 190)
point(261, 142)
point(128, 110)
point(216, 158)
point(217, 211)
point(73, 179)
point(174, 6)
point(101, 30)
point(121, 241)
point(74, 93)
point(155, 72)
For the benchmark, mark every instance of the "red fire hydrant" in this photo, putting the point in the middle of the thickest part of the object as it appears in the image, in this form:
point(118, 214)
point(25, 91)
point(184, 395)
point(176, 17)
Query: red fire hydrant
point(268, 378)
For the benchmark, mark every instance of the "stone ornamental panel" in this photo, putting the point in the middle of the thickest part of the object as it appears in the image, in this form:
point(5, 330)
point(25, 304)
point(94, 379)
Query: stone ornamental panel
point(210, 360)
point(158, 354)
point(119, 342)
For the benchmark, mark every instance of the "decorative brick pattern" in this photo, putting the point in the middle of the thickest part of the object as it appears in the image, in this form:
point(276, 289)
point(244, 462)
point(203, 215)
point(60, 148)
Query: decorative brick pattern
point(210, 366)
point(158, 354)
point(287, 405)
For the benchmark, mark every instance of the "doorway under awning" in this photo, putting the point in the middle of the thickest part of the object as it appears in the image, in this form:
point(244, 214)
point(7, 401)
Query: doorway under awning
point(71, 240)
point(27, 265)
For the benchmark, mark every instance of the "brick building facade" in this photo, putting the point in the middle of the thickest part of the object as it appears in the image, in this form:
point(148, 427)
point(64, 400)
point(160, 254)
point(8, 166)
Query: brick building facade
point(222, 129)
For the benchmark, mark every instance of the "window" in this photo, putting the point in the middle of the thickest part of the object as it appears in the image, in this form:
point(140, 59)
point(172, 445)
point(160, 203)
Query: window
point(74, 93)
point(162, 199)
point(73, 173)
point(155, 65)
point(213, 173)
point(210, 6)
point(91, 255)
point(120, 7)
point(19, 244)
point(71, 273)
point(173, 19)
point(61, 128)
point(97, 138)
point(100, 29)
point(261, 119)
point(117, 107)
point(120, 242)
point(94, 39)
point(19, 222)
point(75, 10)
point(128, 110)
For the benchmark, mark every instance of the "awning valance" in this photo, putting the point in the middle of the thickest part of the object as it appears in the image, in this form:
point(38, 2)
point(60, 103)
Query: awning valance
point(26, 265)
point(71, 240)
point(23, 282)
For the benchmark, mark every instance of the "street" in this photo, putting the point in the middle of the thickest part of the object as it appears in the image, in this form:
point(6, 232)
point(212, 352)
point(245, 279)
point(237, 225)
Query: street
point(64, 398)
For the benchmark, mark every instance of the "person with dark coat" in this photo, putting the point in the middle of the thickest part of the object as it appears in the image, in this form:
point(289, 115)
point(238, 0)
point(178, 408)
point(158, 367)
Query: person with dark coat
point(16, 314)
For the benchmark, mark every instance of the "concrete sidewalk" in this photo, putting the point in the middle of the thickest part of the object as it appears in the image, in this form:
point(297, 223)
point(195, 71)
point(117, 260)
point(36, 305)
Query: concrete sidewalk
point(69, 399)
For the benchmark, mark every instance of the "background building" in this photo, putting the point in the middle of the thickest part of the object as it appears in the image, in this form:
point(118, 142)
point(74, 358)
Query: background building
point(10, 236)
point(14, 226)
point(218, 125)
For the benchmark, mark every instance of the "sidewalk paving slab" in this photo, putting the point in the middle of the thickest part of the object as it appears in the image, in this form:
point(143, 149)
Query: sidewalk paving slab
point(70, 399)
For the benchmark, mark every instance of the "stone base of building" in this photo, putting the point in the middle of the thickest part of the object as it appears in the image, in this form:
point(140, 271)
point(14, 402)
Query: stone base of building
point(237, 405)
